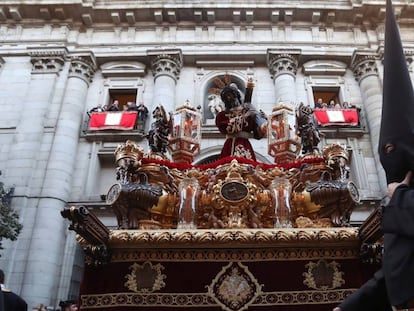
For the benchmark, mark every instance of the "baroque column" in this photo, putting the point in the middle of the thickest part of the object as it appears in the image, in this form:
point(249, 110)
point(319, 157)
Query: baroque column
point(283, 67)
point(364, 66)
point(47, 242)
point(166, 67)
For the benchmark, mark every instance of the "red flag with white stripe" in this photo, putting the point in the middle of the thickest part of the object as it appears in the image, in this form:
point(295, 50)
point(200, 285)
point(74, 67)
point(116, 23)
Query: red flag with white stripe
point(116, 120)
point(344, 117)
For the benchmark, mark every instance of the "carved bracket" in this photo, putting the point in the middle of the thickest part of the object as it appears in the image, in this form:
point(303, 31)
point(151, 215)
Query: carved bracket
point(94, 234)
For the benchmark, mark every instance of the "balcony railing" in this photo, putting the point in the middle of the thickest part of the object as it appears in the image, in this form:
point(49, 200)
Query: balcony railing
point(340, 123)
point(119, 126)
point(113, 126)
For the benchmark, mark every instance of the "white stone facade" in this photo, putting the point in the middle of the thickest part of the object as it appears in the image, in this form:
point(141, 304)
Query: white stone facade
point(60, 58)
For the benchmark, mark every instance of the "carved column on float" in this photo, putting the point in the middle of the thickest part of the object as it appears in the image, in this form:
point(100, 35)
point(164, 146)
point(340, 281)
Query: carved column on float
point(46, 264)
point(166, 66)
point(364, 66)
point(283, 67)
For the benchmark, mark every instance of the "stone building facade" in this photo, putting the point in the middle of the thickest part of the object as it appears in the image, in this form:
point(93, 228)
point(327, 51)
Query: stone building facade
point(60, 58)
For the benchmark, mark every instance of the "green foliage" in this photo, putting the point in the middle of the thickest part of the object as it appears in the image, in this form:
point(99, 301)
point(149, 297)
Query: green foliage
point(9, 219)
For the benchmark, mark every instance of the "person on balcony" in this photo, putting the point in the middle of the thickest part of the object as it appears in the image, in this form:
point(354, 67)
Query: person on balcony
point(98, 108)
point(114, 106)
point(142, 115)
point(331, 104)
point(319, 103)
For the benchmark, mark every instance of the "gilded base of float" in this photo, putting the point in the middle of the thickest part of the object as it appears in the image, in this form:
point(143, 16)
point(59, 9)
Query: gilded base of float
point(249, 269)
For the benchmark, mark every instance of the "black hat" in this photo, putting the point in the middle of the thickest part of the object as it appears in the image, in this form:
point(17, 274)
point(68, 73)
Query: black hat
point(396, 141)
point(66, 303)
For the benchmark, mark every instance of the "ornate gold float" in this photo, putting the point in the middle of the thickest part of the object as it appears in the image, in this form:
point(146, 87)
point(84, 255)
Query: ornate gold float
point(234, 234)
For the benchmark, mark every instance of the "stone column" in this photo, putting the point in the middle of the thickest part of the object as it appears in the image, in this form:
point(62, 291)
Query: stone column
point(364, 66)
point(25, 153)
point(166, 67)
point(48, 238)
point(46, 65)
point(283, 68)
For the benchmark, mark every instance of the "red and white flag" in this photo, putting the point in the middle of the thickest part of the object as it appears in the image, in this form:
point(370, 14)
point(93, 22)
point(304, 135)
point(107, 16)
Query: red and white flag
point(344, 117)
point(112, 120)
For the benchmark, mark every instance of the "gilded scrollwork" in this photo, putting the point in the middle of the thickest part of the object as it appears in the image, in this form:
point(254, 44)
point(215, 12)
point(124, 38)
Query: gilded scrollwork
point(232, 194)
point(92, 234)
point(145, 278)
point(199, 237)
point(322, 275)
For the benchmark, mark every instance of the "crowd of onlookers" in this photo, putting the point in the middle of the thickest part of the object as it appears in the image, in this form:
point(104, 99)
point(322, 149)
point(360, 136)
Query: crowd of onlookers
point(115, 106)
point(141, 109)
point(333, 104)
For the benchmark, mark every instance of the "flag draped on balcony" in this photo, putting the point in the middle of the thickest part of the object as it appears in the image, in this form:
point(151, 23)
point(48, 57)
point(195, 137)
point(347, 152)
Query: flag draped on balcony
point(341, 117)
point(116, 120)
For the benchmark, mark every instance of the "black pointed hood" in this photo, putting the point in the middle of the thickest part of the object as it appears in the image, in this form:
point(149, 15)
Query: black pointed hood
point(396, 141)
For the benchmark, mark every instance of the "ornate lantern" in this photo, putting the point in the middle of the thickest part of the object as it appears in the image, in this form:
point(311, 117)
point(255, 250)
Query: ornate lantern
point(187, 213)
point(185, 134)
point(281, 189)
point(282, 139)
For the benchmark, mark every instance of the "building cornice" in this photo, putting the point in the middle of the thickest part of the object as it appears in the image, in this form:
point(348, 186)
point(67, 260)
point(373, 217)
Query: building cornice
point(131, 12)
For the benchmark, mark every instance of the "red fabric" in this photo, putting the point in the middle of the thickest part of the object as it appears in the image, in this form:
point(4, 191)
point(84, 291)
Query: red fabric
point(184, 166)
point(112, 120)
point(231, 144)
point(193, 277)
point(326, 117)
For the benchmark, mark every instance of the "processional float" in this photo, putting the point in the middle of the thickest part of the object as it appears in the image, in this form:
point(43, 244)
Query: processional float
point(230, 224)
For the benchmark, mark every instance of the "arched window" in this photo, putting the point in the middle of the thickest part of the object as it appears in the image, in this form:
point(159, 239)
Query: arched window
point(211, 93)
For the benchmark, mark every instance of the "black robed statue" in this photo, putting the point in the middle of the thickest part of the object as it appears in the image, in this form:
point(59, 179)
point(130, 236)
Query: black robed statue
point(393, 285)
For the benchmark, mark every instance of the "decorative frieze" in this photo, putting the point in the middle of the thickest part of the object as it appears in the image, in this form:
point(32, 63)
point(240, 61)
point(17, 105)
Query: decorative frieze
point(342, 236)
point(284, 63)
point(205, 300)
point(288, 253)
point(167, 64)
